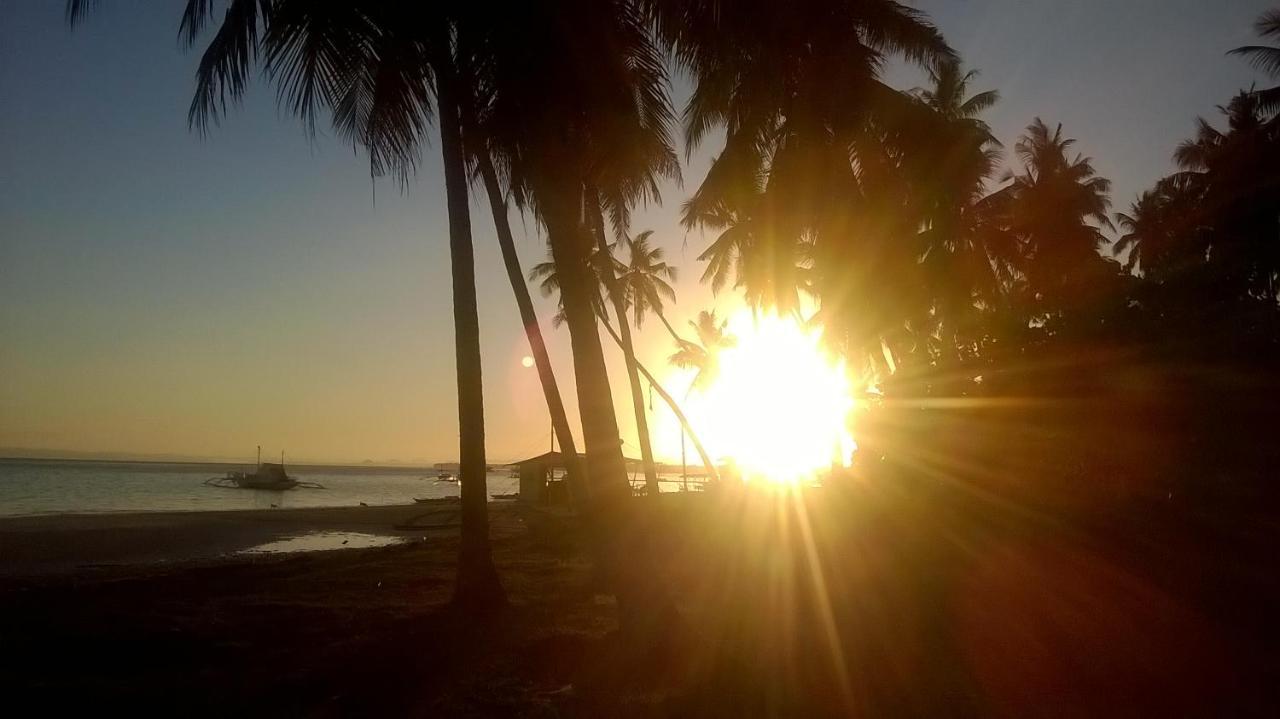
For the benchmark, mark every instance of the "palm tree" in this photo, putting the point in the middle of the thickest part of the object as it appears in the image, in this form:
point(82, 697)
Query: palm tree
point(548, 279)
point(1235, 169)
point(579, 118)
point(533, 331)
point(1265, 58)
point(950, 156)
point(382, 71)
point(948, 94)
point(646, 280)
point(1059, 208)
point(579, 92)
point(798, 108)
point(702, 356)
point(1144, 231)
point(606, 269)
point(1163, 232)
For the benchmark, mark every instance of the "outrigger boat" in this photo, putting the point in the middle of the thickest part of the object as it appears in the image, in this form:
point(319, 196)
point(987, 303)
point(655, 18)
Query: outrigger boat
point(268, 476)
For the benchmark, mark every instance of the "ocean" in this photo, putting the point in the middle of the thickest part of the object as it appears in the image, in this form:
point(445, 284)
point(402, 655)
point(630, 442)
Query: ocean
point(58, 486)
point(40, 486)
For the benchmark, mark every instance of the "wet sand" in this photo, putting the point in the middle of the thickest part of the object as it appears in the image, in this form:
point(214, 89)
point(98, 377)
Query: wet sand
point(52, 544)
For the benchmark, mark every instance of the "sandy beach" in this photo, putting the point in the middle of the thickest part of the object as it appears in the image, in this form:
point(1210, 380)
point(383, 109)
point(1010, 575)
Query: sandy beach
point(45, 544)
point(156, 613)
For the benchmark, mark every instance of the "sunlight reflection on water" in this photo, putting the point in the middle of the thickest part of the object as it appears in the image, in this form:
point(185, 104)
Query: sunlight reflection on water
point(324, 541)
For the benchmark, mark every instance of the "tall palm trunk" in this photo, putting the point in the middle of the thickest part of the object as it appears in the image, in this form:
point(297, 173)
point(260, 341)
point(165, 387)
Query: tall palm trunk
point(672, 330)
point(628, 349)
point(710, 466)
point(537, 346)
point(617, 524)
point(477, 586)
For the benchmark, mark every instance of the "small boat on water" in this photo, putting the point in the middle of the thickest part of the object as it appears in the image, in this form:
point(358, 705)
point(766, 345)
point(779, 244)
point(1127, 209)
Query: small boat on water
point(268, 476)
point(446, 477)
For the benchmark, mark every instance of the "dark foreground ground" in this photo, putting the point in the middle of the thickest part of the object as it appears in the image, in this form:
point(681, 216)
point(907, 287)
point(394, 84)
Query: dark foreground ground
point(854, 601)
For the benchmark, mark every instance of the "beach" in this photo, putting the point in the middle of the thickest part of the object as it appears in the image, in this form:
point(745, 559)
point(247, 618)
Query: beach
point(51, 544)
point(162, 612)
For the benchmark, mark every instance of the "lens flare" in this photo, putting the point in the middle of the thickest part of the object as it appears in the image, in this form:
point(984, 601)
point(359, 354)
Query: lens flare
point(779, 408)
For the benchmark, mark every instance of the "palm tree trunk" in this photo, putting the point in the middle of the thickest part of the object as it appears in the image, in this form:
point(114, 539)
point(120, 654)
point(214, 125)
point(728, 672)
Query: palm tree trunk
point(606, 471)
point(628, 349)
point(537, 346)
point(619, 528)
point(671, 402)
point(674, 335)
point(477, 586)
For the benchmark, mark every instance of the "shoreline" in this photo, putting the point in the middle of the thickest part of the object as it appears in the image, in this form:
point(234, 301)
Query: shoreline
point(33, 545)
point(4, 518)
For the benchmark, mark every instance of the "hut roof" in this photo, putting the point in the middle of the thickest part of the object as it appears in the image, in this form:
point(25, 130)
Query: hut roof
point(556, 459)
point(553, 459)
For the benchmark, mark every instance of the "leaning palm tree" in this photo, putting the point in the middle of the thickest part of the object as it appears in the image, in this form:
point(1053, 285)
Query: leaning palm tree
point(546, 275)
point(607, 268)
point(485, 168)
point(702, 356)
point(579, 92)
point(382, 71)
point(1265, 58)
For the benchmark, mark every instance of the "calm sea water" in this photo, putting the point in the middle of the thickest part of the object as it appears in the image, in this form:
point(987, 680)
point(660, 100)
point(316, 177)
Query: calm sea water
point(59, 486)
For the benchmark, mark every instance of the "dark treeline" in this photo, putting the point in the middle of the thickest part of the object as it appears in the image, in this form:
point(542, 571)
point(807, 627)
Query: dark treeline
point(1025, 337)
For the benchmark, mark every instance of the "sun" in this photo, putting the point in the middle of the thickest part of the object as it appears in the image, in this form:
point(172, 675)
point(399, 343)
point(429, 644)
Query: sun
point(780, 407)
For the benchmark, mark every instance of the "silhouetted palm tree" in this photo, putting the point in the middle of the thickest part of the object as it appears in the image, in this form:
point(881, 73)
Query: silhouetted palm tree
point(533, 331)
point(966, 253)
point(795, 177)
point(703, 356)
point(948, 96)
point(646, 279)
point(1058, 210)
point(579, 94)
point(1241, 191)
point(547, 277)
point(639, 285)
point(1266, 58)
point(382, 70)
point(1164, 229)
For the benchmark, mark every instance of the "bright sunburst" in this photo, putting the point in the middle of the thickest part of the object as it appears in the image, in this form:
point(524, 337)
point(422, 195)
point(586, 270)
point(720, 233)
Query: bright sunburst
point(780, 407)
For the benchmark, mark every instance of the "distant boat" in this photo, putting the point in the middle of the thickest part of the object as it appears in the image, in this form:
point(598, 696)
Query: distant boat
point(421, 500)
point(268, 476)
point(445, 477)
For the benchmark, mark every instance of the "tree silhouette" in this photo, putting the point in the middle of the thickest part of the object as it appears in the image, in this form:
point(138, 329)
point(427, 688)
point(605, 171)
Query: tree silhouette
point(1058, 211)
point(646, 279)
point(382, 72)
point(1266, 58)
point(703, 356)
point(545, 274)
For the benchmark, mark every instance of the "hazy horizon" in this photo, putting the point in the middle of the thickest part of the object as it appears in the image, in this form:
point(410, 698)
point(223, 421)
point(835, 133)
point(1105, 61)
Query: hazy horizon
point(168, 294)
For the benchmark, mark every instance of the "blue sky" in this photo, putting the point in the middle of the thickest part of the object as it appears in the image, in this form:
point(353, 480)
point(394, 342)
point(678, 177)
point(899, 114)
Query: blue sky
point(166, 293)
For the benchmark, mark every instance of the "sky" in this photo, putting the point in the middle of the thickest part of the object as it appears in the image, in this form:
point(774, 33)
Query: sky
point(164, 294)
